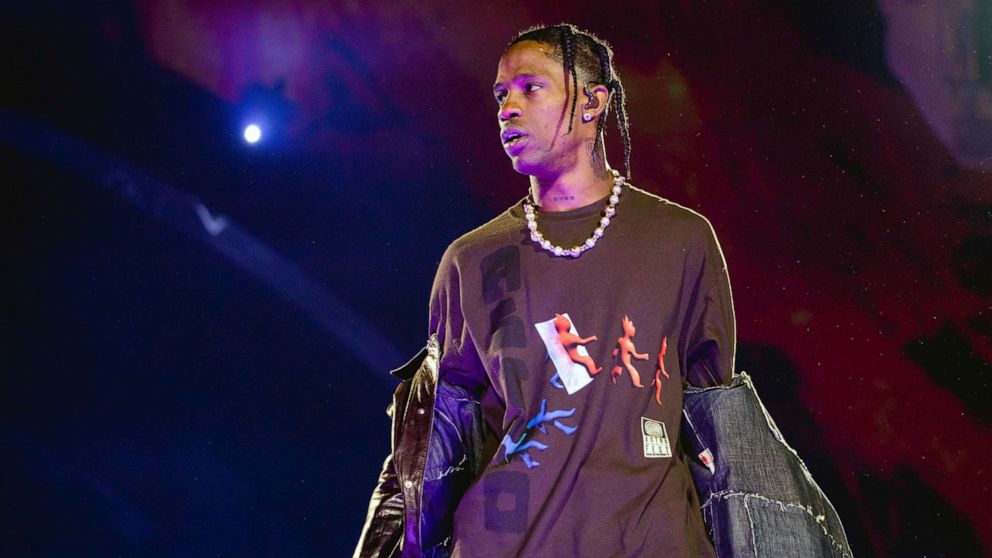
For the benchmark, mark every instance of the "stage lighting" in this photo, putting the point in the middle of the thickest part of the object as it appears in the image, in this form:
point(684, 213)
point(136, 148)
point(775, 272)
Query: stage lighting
point(252, 133)
point(263, 115)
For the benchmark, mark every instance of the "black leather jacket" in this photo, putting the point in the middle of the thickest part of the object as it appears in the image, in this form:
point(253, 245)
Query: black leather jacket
point(437, 446)
point(758, 497)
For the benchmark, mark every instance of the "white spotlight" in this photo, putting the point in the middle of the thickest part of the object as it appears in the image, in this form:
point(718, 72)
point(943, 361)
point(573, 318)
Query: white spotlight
point(252, 133)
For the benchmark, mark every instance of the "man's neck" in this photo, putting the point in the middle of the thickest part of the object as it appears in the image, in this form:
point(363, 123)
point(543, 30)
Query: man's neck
point(577, 187)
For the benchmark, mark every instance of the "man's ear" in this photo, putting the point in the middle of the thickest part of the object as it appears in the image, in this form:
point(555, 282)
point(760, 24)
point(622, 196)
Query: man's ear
point(597, 97)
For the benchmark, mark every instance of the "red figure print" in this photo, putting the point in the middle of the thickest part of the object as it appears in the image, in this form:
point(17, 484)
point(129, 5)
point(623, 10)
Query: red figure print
point(660, 370)
point(625, 346)
point(571, 343)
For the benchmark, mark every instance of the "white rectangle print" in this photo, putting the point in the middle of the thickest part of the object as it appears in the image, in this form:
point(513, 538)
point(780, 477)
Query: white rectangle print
point(573, 375)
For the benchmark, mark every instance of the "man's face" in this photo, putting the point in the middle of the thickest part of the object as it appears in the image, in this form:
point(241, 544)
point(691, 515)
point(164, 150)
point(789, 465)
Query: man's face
point(534, 105)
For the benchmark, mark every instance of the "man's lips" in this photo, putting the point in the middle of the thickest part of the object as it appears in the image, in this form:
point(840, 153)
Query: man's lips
point(512, 137)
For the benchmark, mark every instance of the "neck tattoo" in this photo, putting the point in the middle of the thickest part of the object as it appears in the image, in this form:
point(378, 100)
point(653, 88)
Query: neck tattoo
point(530, 214)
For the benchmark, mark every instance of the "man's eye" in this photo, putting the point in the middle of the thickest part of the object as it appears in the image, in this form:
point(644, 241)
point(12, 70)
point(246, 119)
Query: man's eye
point(532, 87)
point(500, 96)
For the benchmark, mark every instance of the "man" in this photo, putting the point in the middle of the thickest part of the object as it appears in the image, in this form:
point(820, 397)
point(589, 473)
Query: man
point(572, 320)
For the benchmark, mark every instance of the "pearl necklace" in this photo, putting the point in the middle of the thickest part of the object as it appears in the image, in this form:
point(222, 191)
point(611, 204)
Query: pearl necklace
point(531, 216)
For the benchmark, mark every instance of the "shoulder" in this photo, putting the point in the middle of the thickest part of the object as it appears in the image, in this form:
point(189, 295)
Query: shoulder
point(469, 249)
point(481, 240)
point(462, 256)
point(670, 218)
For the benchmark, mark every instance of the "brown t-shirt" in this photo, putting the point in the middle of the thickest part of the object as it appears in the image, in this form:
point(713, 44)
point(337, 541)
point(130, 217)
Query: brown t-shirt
point(579, 364)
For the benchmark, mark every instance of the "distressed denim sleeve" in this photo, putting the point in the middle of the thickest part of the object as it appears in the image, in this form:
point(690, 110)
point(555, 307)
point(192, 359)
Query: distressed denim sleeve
point(711, 340)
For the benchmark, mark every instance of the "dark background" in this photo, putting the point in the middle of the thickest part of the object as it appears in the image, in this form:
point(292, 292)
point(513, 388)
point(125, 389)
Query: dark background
point(196, 331)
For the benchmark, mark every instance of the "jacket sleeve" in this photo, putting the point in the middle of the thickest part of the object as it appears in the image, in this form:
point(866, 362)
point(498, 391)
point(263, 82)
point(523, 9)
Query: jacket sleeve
point(711, 335)
point(383, 530)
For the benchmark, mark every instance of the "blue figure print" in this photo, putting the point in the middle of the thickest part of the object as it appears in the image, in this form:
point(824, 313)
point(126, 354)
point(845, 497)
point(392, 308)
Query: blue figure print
point(544, 416)
point(556, 379)
point(511, 447)
point(568, 430)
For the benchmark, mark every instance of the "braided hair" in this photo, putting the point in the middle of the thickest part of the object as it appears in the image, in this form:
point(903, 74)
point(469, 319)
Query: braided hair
point(593, 58)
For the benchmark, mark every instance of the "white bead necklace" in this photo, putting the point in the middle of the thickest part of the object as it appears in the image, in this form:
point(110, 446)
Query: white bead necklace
point(531, 216)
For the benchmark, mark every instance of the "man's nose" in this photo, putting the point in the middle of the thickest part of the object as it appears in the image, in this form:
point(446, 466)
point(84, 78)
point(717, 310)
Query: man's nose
point(509, 109)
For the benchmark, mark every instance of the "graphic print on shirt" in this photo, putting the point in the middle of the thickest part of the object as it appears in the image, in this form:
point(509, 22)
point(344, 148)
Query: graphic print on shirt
point(521, 446)
point(626, 349)
point(500, 273)
point(659, 371)
point(507, 496)
point(566, 349)
point(655, 437)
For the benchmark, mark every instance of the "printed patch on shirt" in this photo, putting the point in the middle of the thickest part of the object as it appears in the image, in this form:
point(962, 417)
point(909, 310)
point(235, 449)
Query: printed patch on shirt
point(567, 351)
point(655, 435)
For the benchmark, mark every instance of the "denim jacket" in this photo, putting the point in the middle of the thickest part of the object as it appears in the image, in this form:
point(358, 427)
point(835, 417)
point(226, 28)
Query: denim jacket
point(758, 497)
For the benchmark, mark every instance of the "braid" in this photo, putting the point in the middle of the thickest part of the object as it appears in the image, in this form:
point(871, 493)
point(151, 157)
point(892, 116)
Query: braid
point(567, 46)
point(621, 105)
point(584, 52)
point(604, 71)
